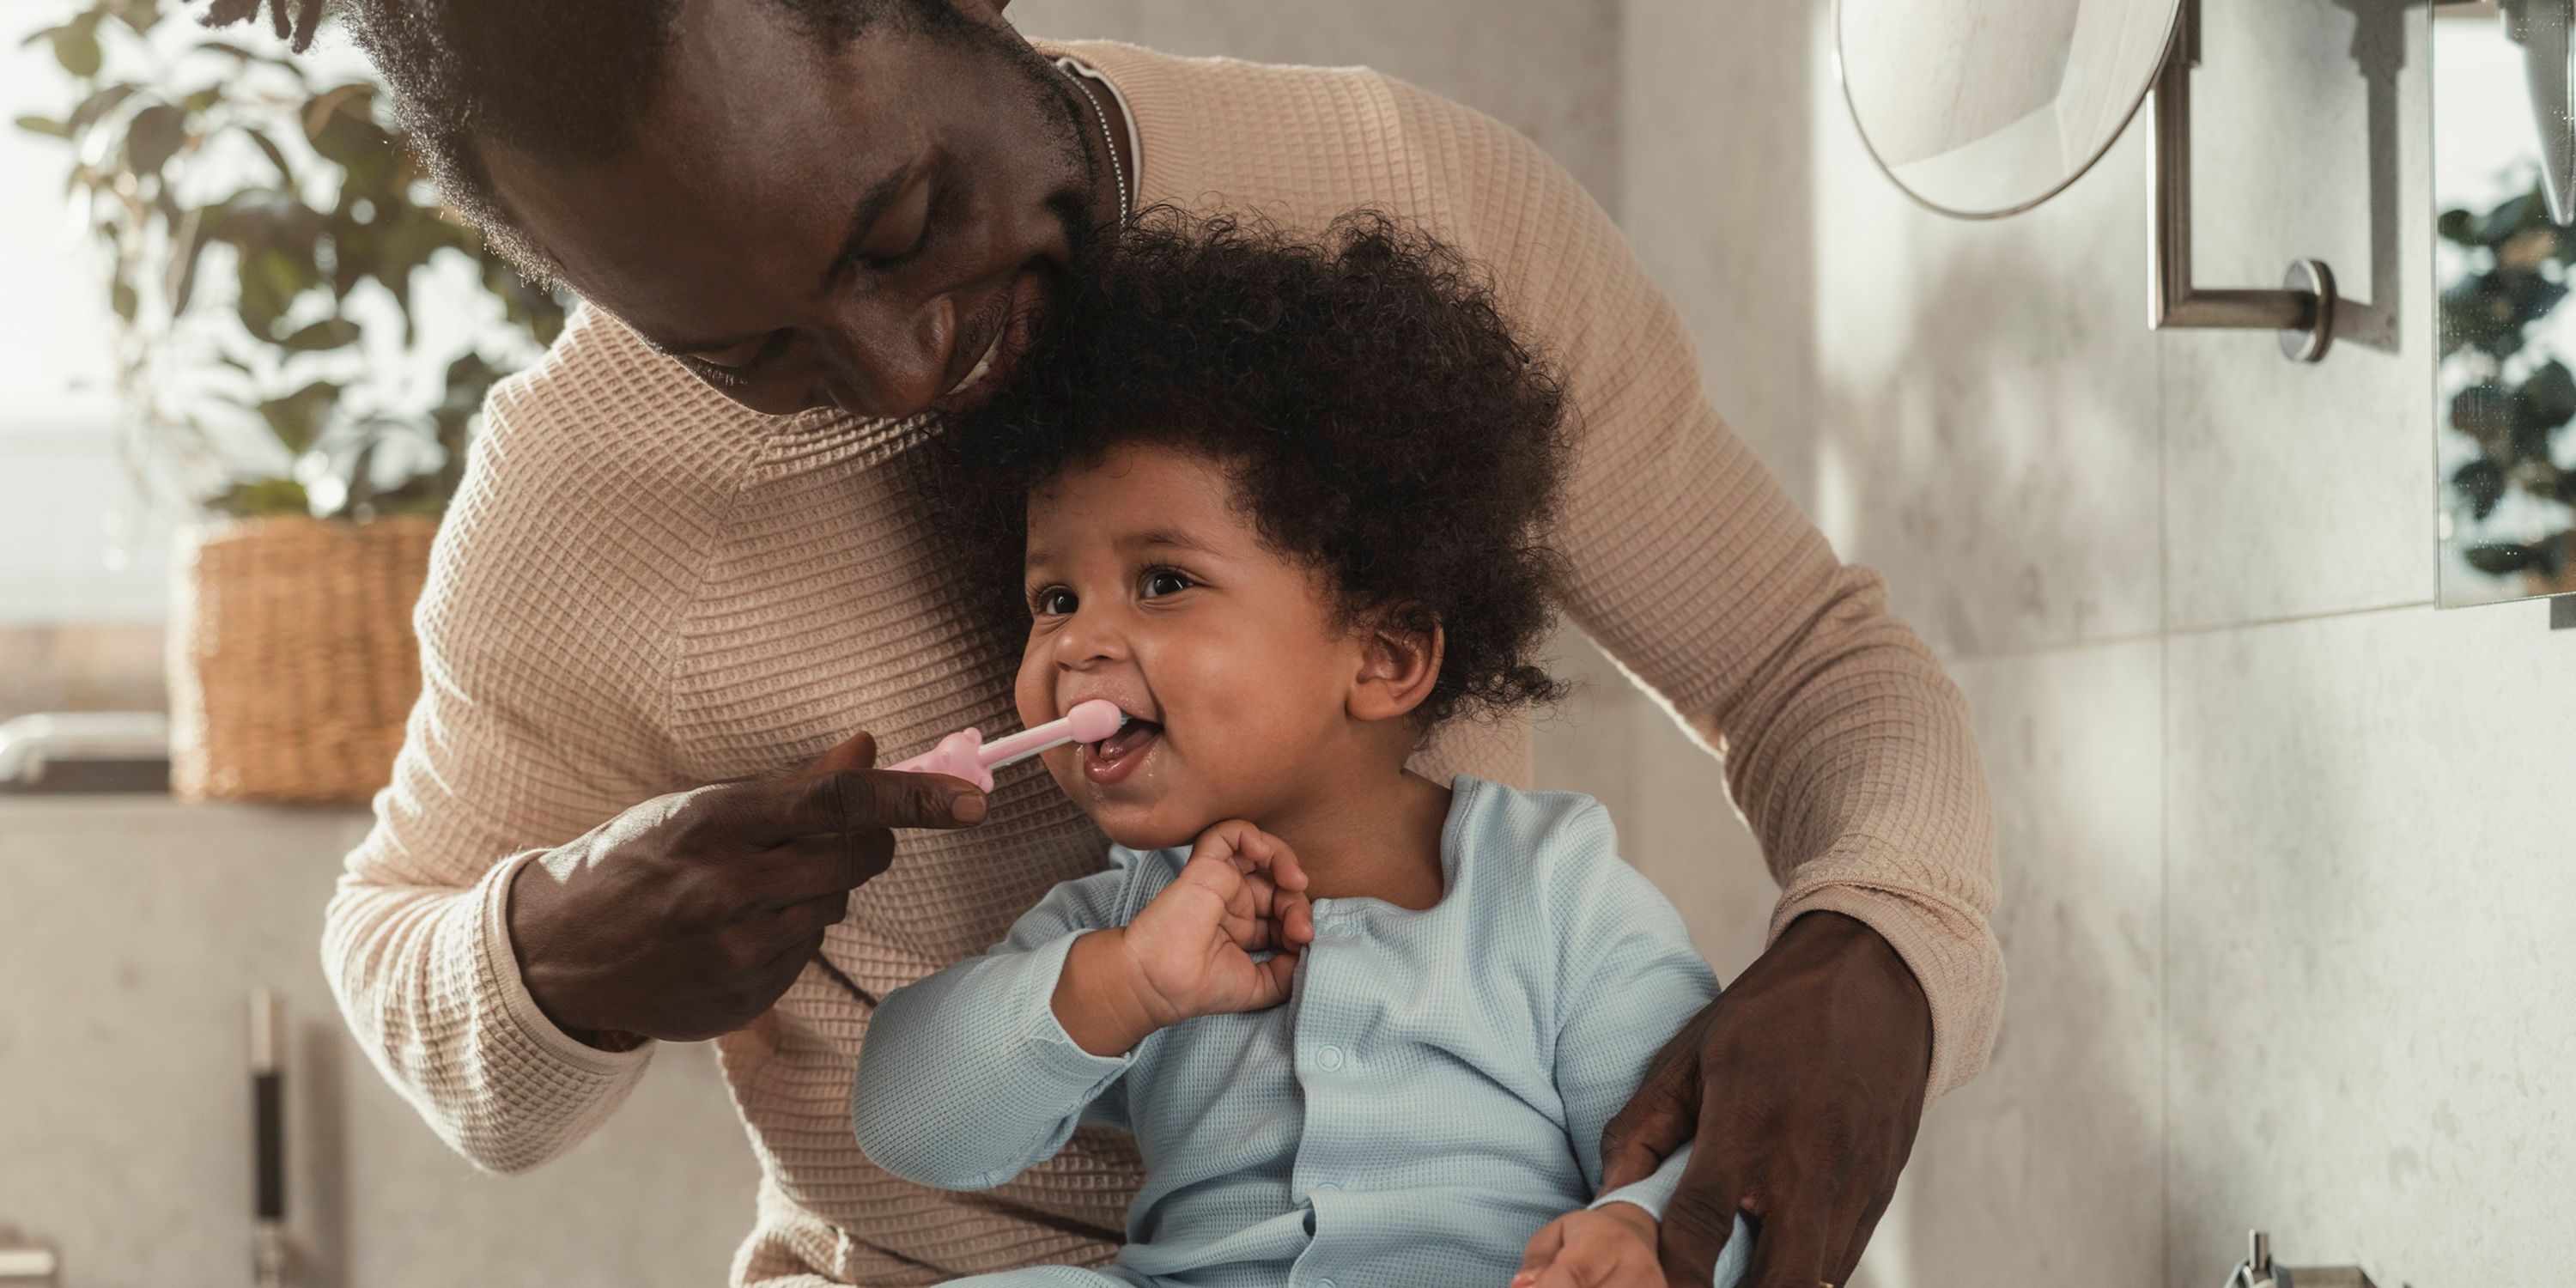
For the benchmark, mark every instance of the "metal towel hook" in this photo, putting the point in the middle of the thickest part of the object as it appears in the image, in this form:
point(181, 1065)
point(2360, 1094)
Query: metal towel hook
point(2301, 311)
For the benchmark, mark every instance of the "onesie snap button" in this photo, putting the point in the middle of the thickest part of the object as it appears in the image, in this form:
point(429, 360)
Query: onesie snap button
point(1328, 1057)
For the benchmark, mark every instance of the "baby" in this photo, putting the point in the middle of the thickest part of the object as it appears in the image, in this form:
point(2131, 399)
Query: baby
point(1281, 500)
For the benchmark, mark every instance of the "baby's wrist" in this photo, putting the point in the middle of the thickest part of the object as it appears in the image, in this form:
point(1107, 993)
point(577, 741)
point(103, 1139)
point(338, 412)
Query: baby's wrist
point(1102, 999)
point(1633, 1216)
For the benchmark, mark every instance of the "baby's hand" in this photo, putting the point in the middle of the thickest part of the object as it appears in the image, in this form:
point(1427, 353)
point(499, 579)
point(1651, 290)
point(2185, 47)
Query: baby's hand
point(1612, 1246)
point(1189, 953)
point(1241, 892)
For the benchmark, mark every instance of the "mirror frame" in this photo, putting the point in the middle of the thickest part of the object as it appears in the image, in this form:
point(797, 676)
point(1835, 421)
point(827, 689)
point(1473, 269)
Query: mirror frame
point(1842, 83)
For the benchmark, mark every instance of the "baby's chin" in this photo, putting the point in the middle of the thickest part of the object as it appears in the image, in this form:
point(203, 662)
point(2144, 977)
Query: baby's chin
point(1148, 826)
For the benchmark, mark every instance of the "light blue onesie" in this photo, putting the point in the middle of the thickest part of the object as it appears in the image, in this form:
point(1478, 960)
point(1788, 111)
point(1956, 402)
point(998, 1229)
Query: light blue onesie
point(1432, 1092)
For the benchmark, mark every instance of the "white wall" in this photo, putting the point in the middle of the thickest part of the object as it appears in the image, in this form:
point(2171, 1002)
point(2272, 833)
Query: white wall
point(134, 933)
point(2283, 847)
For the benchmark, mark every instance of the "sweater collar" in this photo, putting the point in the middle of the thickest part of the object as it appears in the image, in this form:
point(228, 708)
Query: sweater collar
point(1157, 102)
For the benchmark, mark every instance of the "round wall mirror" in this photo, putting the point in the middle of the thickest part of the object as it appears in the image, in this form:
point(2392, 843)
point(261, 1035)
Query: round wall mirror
point(1981, 108)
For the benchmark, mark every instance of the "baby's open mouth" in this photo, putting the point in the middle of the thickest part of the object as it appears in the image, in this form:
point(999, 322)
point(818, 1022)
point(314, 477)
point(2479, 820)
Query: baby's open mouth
point(1113, 758)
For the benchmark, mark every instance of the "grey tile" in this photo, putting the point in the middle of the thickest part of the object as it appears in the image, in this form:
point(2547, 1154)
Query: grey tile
point(1715, 135)
point(2046, 1168)
point(1667, 795)
point(2373, 945)
point(1987, 432)
point(1545, 70)
point(2296, 489)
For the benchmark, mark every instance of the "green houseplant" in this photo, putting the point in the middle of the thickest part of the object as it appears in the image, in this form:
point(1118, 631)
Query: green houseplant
point(305, 339)
point(2507, 391)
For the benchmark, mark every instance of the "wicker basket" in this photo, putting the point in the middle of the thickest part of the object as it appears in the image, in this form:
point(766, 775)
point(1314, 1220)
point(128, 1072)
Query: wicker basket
point(292, 659)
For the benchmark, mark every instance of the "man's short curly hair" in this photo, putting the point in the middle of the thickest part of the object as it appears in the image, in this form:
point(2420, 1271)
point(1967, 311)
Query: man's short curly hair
point(1376, 413)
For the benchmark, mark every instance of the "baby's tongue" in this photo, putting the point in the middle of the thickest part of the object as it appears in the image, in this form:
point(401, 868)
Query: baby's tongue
point(1129, 737)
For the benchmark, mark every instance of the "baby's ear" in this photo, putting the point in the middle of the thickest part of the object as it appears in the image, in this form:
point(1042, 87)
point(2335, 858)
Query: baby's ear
point(1399, 664)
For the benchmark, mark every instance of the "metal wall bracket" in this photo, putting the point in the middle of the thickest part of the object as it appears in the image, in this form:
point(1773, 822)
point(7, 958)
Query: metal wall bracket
point(31, 1265)
point(2259, 1272)
point(2301, 312)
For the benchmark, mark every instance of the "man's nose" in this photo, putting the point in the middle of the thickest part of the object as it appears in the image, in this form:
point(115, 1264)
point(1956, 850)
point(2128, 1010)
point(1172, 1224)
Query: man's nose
point(888, 357)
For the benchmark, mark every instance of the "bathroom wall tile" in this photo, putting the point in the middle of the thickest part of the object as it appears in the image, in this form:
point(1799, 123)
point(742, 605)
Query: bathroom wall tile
point(2045, 1169)
point(2296, 489)
point(135, 930)
point(1987, 431)
point(2373, 945)
point(1716, 196)
point(1667, 795)
point(1545, 69)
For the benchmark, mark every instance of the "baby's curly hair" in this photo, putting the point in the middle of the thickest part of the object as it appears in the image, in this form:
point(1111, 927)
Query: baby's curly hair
point(1378, 417)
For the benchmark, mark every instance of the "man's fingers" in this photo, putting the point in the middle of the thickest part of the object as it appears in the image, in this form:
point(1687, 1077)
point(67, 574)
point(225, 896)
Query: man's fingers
point(766, 812)
point(812, 867)
point(1700, 1215)
point(816, 915)
point(1804, 1231)
point(1655, 1122)
point(1790, 1254)
point(858, 751)
point(1844, 1266)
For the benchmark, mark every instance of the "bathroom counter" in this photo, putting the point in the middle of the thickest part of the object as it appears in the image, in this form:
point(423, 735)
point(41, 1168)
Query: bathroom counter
point(132, 929)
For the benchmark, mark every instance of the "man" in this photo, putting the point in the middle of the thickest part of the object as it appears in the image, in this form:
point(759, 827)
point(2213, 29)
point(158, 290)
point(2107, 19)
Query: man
point(691, 554)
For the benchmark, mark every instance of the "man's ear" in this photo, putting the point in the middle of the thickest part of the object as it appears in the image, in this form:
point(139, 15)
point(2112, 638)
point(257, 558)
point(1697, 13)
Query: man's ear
point(1397, 671)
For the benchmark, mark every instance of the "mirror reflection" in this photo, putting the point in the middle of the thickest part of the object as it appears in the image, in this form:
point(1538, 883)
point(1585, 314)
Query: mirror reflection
point(2504, 391)
point(1985, 107)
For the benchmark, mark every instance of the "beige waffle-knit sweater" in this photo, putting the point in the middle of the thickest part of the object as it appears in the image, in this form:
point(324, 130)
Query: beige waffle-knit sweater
point(645, 588)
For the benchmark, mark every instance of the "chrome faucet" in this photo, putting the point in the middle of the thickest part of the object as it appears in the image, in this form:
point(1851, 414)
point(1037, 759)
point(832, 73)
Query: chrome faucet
point(2258, 1271)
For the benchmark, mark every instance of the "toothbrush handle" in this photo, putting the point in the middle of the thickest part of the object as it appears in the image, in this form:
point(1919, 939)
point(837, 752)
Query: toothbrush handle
point(1026, 743)
point(957, 755)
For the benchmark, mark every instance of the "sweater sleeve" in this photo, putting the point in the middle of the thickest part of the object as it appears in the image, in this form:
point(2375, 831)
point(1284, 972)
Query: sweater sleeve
point(1845, 746)
point(536, 722)
point(967, 1078)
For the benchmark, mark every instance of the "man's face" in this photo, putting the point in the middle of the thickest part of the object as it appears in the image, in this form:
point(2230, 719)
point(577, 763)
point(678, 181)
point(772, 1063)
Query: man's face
point(873, 227)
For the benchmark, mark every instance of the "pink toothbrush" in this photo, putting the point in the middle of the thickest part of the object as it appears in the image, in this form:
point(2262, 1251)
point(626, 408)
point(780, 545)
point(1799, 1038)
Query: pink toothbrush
point(965, 754)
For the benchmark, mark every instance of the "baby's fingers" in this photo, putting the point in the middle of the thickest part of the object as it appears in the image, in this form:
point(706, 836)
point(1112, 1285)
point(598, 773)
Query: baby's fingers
point(1295, 914)
point(1250, 849)
point(1541, 1252)
point(1280, 975)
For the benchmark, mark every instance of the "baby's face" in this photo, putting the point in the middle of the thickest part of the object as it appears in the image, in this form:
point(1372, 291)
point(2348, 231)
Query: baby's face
point(1146, 586)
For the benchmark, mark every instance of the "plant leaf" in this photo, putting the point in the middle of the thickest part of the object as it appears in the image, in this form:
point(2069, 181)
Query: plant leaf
point(298, 418)
point(153, 137)
point(2501, 558)
point(261, 498)
point(45, 125)
point(2481, 484)
point(329, 333)
point(76, 48)
point(99, 104)
point(276, 156)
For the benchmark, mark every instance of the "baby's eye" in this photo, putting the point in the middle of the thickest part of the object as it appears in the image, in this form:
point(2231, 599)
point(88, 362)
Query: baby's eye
point(1053, 601)
point(1165, 581)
